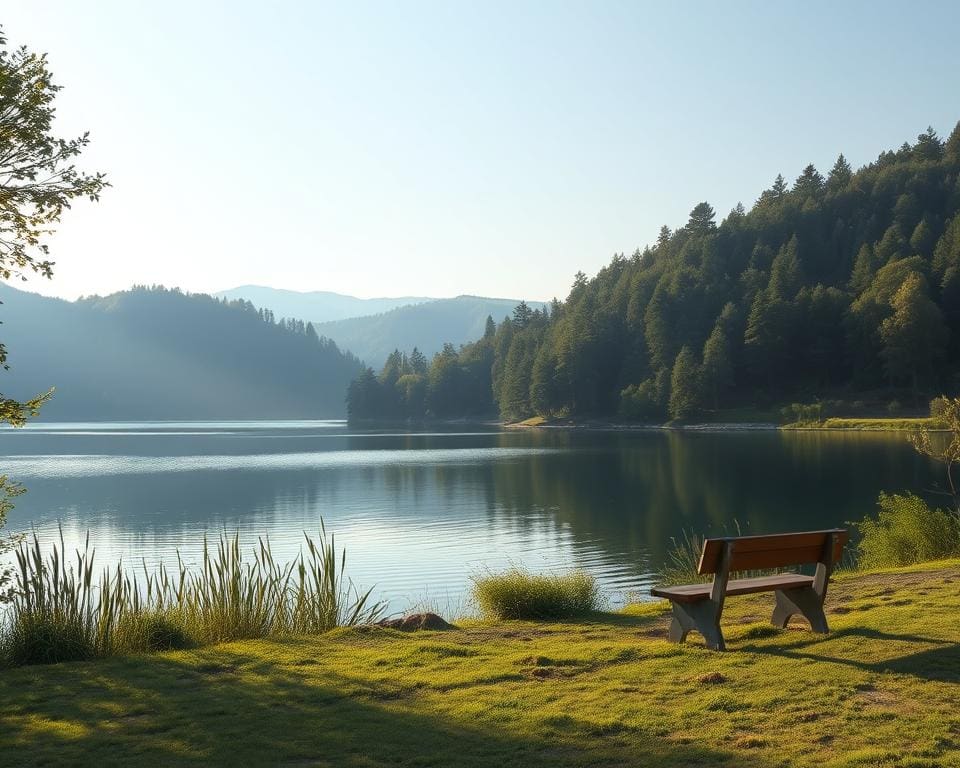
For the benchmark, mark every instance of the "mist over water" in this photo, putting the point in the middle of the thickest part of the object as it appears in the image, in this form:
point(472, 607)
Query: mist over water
point(421, 512)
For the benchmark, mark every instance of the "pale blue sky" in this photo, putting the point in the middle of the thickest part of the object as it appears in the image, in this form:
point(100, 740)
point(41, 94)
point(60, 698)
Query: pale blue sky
point(452, 147)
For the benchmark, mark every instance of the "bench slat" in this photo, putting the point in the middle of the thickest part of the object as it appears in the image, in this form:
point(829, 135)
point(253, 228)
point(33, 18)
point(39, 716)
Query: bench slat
point(775, 551)
point(693, 593)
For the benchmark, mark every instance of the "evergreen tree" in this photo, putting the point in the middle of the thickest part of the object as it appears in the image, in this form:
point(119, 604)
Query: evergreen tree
point(785, 274)
point(701, 219)
point(717, 369)
point(928, 146)
point(418, 362)
point(951, 149)
point(684, 386)
point(864, 268)
point(522, 315)
point(840, 174)
point(914, 336)
point(809, 183)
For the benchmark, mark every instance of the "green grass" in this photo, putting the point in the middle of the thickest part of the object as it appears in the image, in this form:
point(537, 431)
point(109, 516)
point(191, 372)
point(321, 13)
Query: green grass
point(517, 594)
point(603, 691)
point(878, 424)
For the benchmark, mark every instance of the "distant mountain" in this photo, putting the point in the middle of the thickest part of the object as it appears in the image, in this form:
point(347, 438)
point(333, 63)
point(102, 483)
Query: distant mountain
point(163, 354)
point(427, 326)
point(315, 306)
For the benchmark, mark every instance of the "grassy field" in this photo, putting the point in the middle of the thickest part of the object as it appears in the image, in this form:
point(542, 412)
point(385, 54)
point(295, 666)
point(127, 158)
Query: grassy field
point(608, 691)
point(874, 425)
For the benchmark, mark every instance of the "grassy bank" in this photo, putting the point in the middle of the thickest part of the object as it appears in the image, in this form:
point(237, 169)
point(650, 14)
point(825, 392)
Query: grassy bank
point(605, 691)
point(872, 425)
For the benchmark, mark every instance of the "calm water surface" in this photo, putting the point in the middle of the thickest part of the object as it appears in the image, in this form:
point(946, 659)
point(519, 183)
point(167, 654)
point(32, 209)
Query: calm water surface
point(421, 512)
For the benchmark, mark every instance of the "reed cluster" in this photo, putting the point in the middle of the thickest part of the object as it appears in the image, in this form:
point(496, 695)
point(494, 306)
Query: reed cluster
point(61, 611)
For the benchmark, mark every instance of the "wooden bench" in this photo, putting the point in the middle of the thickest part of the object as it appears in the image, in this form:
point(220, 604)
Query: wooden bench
point(699, 606)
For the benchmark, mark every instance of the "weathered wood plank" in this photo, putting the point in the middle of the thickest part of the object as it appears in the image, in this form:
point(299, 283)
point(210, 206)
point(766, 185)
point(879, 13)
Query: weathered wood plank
point(692, 593)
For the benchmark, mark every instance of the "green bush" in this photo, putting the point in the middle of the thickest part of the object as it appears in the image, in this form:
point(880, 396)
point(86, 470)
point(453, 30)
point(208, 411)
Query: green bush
point(938, 408)
point(517, 594)
point(906, 531)
point(799, 413)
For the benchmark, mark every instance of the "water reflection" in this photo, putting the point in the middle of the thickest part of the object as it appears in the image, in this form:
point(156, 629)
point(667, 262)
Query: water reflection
point(421, 512)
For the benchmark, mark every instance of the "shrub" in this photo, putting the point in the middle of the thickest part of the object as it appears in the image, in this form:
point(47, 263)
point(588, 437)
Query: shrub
point(799, 413)
point(517, 594)
point(906, 531)
point(938, 408)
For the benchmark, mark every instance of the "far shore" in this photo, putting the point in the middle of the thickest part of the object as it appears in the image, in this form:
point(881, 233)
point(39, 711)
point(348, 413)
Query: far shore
point(833, 424)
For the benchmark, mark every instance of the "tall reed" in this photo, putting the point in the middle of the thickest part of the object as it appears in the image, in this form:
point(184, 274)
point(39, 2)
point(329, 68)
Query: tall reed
point(60, 612)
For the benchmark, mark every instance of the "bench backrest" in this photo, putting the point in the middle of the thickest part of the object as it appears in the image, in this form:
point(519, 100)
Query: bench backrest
point(776, 551)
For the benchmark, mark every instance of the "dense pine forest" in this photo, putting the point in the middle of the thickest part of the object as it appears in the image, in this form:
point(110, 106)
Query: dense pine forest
point(843, 286)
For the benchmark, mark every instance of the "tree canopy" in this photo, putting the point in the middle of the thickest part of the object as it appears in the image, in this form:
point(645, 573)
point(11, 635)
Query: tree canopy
point(845, 283)
point(38, 180)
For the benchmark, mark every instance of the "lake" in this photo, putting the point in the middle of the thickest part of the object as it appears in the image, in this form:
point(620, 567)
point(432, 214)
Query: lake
point(422, 512)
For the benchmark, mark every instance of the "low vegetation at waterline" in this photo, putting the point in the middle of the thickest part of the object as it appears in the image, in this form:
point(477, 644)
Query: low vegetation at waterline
point(606, 690)
point(906, 531)
point(519, 594)
point(61, 612)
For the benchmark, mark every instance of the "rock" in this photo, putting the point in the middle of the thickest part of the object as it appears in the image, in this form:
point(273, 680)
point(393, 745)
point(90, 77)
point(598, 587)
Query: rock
point(416, 621)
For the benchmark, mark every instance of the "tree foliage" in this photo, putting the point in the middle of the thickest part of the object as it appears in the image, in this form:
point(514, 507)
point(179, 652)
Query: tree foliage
point(848, 282)
point(38, 181)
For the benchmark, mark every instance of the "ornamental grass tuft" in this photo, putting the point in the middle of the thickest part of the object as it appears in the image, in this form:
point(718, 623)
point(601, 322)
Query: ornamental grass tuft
point(518, 594)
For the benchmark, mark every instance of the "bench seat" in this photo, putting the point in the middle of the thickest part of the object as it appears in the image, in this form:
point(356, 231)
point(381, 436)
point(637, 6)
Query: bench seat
point(694, 593)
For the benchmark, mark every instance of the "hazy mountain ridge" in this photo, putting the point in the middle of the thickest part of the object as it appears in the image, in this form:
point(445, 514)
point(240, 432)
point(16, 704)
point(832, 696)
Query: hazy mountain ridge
point(427, 326)
point(315, 306)
point(162, 354)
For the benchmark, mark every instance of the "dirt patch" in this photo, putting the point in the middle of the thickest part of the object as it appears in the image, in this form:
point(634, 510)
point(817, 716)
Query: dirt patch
point(713, 678)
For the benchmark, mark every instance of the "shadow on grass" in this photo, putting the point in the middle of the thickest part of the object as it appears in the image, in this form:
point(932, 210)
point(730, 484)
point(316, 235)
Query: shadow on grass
point(226, 708)
point(938, 660)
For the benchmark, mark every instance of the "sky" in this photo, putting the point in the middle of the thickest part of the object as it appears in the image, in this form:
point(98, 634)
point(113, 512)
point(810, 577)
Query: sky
point(446, 148)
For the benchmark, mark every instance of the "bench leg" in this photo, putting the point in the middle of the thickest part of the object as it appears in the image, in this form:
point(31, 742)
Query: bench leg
point(804, 601)
point(702, 617)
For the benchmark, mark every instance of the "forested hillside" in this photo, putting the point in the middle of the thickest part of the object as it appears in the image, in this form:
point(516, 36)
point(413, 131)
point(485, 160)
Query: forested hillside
point(153, 353)
point(838, 285)
point(428, 326)
point(315, 306)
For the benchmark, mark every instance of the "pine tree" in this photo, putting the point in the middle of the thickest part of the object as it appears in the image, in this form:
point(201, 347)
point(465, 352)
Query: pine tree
point(951, 149)
point(702, 219)
point(418, 362)
point(923, 238)
point(809, 183)
point(893, 246)
point(840, 175)
point(785, 272)
point(717, 369)
point(684, 386)
point(490, 328)
point(928, 146)
point(914, 336)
